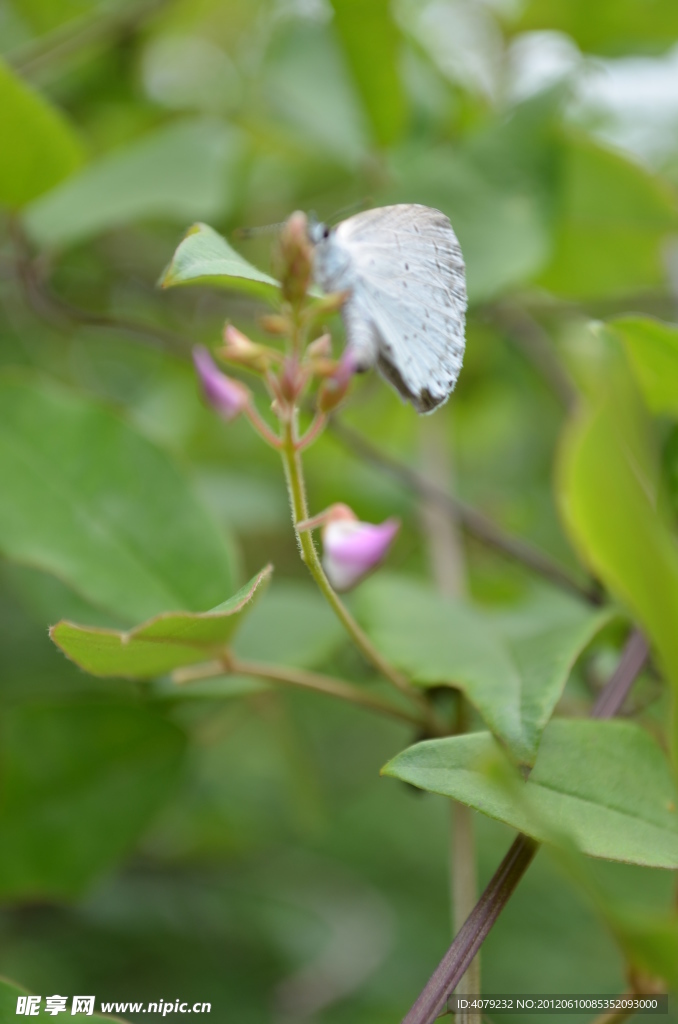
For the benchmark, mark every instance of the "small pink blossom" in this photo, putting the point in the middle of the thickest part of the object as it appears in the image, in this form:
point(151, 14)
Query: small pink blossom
point(227, 396)
point(351, 549)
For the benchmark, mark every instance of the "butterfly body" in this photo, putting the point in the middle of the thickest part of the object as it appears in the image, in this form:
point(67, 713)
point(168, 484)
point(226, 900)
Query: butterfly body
point(405, 309)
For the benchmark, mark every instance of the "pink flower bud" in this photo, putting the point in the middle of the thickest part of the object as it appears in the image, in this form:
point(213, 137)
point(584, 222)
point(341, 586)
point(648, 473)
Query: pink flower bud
point(351, 549)
point(336, 385)
point(227, 396)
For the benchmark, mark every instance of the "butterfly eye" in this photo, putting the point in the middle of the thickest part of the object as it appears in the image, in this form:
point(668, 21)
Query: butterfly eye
point(326, 232)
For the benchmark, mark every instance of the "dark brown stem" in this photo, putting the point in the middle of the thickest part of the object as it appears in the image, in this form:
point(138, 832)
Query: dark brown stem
point(632, 662)
point(474, 522)
point(472, 934)
point(503, 883)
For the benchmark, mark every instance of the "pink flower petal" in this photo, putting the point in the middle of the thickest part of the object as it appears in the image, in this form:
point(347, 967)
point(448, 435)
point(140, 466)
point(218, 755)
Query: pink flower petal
point(352, 549)
point(227, 396)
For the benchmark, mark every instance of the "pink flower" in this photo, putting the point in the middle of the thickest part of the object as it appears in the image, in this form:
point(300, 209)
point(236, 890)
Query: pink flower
point(227, 396)
point(352, 549)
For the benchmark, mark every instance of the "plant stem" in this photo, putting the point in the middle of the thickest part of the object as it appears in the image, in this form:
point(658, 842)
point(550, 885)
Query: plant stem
point(448, 568)
point(507, 876)
point(297, 492)
point(471, 936)
point(324, 684)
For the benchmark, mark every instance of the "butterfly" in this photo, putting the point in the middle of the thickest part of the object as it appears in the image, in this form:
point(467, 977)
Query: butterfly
point(404, 273)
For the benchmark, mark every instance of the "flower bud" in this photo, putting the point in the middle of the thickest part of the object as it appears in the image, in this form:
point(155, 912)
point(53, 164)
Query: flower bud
point(296, 258)
point(321, 348)
point(275, 323)
point(337, 383)
point(239, 349)
point(227, 396)
point(352, 549)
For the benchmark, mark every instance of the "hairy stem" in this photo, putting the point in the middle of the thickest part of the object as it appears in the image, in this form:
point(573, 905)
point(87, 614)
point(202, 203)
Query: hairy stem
point(297, 492)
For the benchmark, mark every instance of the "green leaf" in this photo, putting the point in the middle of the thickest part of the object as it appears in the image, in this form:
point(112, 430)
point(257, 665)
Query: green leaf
point(371, 43)
point(80, 784)
point(604, 785)
point(609, 497)
point(10, 993)
point(204, 257)
point(512, 666)
point(101, 507)
point(39, 148)
point(613, 219)
point(180, 173)
point(160, 645)
point(649, 941)
point(618, 27)
point(652, 347)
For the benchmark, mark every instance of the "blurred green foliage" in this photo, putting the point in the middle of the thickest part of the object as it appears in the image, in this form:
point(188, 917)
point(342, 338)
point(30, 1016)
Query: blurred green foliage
point(231, 841)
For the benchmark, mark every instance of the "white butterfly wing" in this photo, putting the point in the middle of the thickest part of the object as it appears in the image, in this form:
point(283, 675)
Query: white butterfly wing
point(408, 299)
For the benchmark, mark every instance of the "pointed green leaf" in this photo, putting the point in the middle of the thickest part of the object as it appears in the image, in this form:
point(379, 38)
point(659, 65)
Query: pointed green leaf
point(652, 347)
point(613, 220)
point(39, 146)
point(81, 781)
point(604, 785)
point(99, 506)
point(204, 257)
point(160, 645)
point(511, 666)
point(609, 496)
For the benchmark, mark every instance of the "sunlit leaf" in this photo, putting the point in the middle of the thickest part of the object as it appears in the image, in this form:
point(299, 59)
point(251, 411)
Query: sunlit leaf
point(204, 257)
point(650, 942)
point(604, 785)
point(179, 173)
point(613, 218)
point(372, 43)
point(87, 498)
point(614, 27)
point(653, 352)
point(39, 145)
point(608, 490)
point(511, 666)
point(80, 783)
point(160, 645)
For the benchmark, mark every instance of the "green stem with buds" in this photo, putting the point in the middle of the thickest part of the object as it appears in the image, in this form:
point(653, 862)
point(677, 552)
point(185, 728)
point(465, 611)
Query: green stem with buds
point(297, 491)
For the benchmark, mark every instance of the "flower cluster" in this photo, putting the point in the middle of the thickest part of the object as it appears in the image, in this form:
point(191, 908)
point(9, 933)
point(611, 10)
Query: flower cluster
point(305, 367)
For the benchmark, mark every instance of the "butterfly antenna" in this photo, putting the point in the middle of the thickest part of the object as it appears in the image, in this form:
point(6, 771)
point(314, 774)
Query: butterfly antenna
point(254, 232)
point(355, 207)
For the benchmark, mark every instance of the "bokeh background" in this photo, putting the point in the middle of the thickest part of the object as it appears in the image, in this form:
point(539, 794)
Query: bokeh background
point(233, 843)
